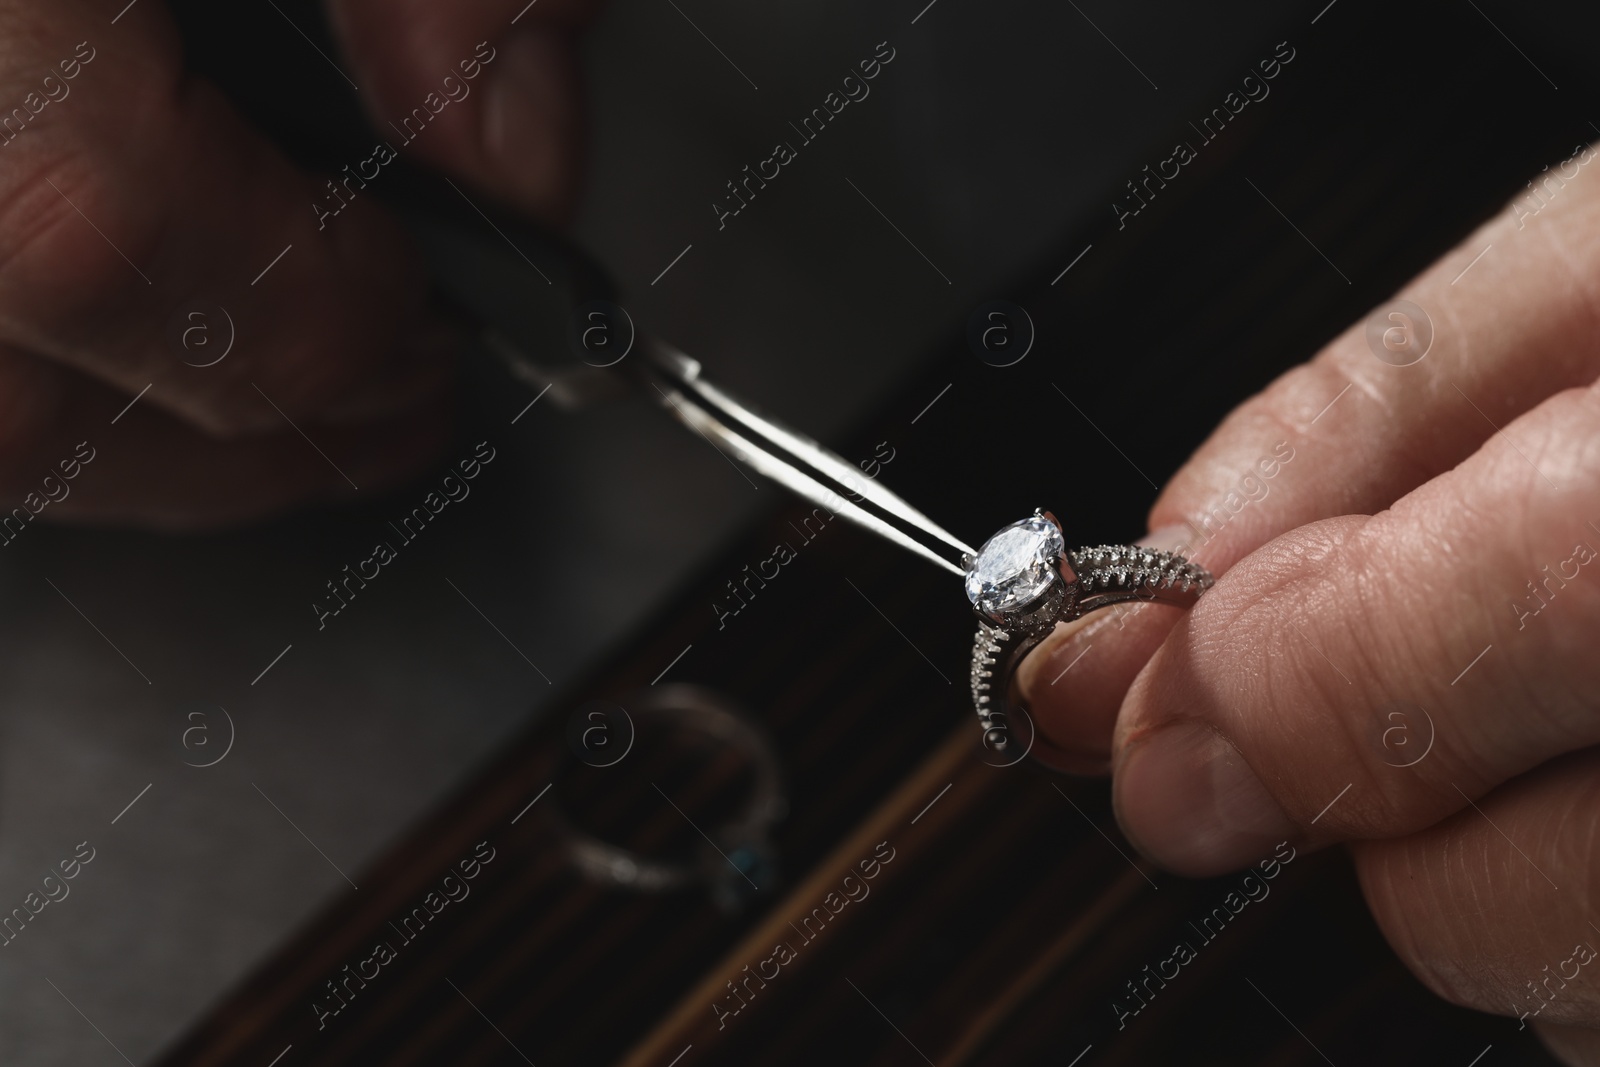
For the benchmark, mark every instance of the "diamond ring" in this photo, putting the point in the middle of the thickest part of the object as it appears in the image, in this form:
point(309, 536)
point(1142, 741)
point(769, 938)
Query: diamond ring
point(740, 855)
point(1023, 581)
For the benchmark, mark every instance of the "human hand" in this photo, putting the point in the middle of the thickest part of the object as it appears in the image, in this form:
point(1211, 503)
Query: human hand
point(1399, 650)
point(131, 191)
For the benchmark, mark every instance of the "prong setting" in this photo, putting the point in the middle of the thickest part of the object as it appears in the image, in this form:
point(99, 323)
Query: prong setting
point(1023, 581)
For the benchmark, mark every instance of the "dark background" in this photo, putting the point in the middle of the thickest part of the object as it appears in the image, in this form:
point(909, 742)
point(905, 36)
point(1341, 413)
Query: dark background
point(996, 141)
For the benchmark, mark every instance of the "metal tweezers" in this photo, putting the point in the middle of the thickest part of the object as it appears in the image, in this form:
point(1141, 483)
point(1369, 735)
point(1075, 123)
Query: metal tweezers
point(793, 460)
point(518, 286)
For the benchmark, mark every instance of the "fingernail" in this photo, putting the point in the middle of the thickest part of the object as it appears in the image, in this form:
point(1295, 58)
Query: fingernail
point(528, 115)
point(416, 373)
point(1189, 801)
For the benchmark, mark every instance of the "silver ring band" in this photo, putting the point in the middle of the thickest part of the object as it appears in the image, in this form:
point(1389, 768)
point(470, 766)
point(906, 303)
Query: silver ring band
point(1052, 590)
point(739, 846)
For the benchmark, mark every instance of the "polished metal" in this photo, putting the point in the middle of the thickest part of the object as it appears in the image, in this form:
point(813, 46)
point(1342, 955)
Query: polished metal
point(793, 460)
point(1086, 579)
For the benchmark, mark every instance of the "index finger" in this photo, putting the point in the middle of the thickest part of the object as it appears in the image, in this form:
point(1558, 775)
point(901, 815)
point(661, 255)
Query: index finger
point(1462, 619)
point(1388, 405)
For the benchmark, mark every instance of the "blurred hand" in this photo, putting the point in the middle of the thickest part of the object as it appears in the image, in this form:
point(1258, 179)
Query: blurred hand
point(1410, 577)
point(130, 189)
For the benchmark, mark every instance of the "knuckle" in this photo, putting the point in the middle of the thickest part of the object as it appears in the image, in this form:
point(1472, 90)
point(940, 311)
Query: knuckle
point(54, 267)
point(84, 169)
point(1307, 614)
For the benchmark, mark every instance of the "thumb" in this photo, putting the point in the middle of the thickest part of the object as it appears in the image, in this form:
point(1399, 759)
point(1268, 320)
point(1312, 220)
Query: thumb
point(485, 89)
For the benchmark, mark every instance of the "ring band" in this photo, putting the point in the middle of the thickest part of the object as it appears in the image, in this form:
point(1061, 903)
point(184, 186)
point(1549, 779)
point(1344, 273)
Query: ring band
point(1023, 581)
point(739, 846)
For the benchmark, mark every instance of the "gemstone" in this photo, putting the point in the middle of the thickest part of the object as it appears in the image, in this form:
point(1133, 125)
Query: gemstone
point(1015, 566)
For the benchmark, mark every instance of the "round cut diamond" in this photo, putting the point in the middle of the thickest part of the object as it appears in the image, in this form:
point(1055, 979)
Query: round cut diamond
point(1015, 566)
